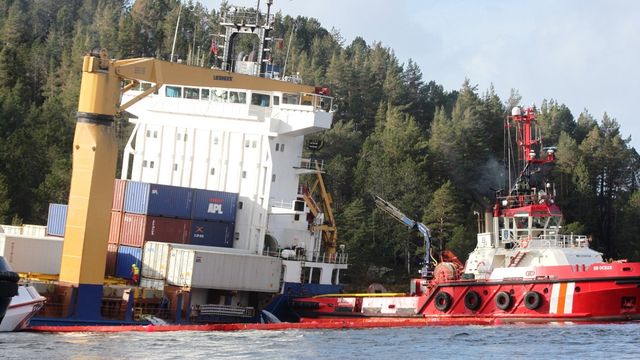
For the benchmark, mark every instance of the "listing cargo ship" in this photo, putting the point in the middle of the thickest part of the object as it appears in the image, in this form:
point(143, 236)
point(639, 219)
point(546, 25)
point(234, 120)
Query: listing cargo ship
point(210, 220)
point(523, 269)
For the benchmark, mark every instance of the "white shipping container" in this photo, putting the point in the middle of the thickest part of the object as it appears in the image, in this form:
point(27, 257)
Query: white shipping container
point(156, 284)
point(34, 230)
point(36, 254)
point(224, 271)
point(155, 257)
point(10, 230)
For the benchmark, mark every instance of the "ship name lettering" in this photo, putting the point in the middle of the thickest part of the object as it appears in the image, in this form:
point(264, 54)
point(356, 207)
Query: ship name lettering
point(223, 78)
point(603, 267)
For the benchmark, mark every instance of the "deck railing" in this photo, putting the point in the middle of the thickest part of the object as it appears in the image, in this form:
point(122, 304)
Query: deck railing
point(339, 257)
point(554, 241)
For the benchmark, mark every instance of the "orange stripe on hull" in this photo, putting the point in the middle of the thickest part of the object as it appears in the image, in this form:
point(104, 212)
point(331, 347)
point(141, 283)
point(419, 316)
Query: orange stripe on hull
point(561, 298)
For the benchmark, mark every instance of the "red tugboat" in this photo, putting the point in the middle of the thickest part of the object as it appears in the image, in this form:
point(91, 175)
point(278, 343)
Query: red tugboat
point(523, 268)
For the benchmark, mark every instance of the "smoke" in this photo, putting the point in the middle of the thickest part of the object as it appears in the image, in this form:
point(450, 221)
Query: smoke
point(491, 177)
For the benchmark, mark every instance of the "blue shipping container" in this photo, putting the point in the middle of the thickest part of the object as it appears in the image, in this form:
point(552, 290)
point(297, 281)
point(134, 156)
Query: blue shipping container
point(212, 233)
point(214, 205)
point(158, 200)
point(127, 256)
point(57, 219)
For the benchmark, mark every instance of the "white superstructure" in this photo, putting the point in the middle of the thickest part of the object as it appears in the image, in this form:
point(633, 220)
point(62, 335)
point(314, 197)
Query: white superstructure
point(231, 140)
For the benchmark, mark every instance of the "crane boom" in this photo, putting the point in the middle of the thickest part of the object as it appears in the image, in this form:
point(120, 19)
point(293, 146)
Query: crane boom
point(411, 224)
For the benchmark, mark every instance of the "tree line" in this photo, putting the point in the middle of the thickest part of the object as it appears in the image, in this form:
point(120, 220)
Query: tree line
point(436, 154)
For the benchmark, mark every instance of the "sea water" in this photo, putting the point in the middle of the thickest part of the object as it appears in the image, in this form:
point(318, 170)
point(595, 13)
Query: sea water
point(562, 341)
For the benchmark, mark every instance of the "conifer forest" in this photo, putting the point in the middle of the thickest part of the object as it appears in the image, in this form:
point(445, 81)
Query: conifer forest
point(437, 154)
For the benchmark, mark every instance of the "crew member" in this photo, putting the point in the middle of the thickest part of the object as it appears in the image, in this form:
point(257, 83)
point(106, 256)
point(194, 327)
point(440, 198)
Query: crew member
point(135, 274)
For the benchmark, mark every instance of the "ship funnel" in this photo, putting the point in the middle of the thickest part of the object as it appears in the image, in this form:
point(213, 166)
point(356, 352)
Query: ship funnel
point(488, 219)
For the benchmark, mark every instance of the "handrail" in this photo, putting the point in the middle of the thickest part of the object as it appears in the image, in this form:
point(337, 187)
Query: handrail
point(339, 257)
point(554, 241)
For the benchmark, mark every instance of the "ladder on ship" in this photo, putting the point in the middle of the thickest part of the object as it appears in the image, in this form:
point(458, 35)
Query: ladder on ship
point(517, 259)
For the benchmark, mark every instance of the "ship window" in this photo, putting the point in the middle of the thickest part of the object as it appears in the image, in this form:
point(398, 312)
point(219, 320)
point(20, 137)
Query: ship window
point(237, 97)
point(191, 93)
point(260, 100)
point(148, 133)
point(204, 94)
point(236, 236)
point(240, 205)
point(244, 174)
point(254, 144)
point(305, 274)
point(315, 275)
point(277, 147)
point(293, 99)
point(296, 217)
point(282, 147)
point(155, 134)
point(144, 163)
point(273, 177)
point(306, 100)
point(247, 143)
point(213, 171)
point(178, 136)
point(276, 100)
point(151, 164)
point(173, 91)
point(219, 96)
point(185, 137)
point(175, 167)
point(215, 141)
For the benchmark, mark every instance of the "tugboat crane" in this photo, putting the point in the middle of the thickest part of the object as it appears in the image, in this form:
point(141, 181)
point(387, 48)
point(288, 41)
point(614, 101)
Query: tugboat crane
point(428, 265)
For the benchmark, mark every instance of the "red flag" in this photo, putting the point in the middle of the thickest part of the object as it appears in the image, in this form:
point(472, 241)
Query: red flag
point(214, 47)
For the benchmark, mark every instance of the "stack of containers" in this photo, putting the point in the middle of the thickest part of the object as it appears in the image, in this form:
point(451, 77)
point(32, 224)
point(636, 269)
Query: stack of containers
point(175, 216)
point(143, 212)
point(213, 214)
point(117, 205)
point(151, 212)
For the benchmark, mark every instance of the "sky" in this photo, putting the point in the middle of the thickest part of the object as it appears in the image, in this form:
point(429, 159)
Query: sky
point(583, 53)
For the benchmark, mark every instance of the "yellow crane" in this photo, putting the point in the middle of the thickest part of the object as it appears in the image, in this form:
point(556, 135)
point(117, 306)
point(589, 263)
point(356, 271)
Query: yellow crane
point(328, 227)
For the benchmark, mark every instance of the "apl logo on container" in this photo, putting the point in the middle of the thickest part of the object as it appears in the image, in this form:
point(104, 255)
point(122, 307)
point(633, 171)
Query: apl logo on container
point(215, 206)
point(199, 232)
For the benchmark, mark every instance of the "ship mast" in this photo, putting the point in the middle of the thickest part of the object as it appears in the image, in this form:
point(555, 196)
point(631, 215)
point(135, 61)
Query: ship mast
point(241, 21)
point(529, 143)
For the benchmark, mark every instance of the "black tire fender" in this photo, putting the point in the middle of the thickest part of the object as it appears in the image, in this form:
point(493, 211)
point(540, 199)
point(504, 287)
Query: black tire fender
point(503, 300)
point(532, 300)
point(472, 300)
point(442, 301)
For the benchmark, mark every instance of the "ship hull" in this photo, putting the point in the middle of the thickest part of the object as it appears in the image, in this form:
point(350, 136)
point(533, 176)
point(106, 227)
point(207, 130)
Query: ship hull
point(599, 293)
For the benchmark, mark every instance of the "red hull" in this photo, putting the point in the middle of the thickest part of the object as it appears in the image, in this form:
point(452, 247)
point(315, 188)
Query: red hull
point(597, 293)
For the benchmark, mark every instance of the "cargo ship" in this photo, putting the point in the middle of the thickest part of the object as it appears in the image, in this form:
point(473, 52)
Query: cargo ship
point(524, 269)
point(216, 216)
